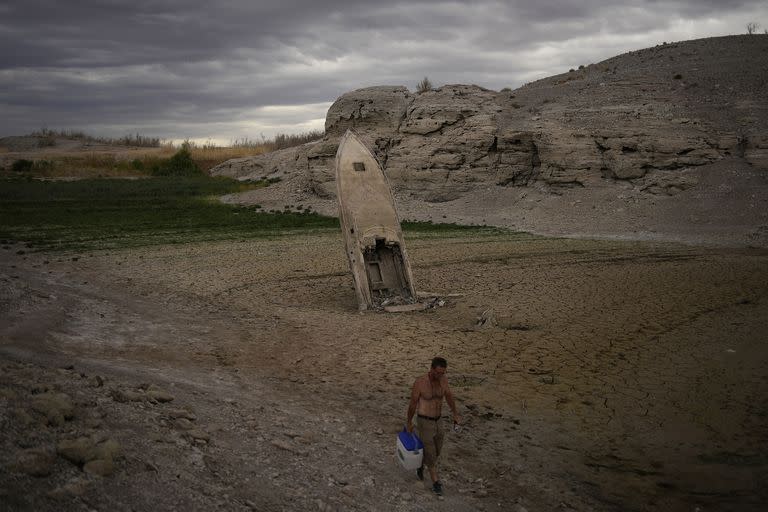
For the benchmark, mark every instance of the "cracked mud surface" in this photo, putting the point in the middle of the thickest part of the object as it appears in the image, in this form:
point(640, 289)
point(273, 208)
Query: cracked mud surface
point(591, 375)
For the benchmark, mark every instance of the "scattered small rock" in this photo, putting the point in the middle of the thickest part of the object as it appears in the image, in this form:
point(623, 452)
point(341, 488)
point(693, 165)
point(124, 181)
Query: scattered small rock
point(127, 395)
point(74, 487)
point(99, 467)
point(56, 407)
point(182, 413)
point(159, 395)
point(485, 320)
point(108, 450)
point(23, 417)
point(277, 443)
point(199, 435)
point(183, 424)
point(35, 462)
point(78, 451)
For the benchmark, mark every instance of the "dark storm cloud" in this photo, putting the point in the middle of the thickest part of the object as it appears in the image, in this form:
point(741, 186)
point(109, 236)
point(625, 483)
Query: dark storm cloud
point(196, 68)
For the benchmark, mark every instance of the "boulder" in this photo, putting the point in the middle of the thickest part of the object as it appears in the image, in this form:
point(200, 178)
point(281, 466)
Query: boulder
point(78, 451)
point(381, 109)
point(99, 467)
point(35, 462)
point(56, 407)
point(108, 449)
point(159, 395)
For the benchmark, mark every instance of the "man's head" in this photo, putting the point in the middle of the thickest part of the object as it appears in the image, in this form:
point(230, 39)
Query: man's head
point(439, 365)
point(439, 362)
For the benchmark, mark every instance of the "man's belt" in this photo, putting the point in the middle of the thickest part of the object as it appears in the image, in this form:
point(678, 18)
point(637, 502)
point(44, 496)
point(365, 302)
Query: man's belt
point(433, 418)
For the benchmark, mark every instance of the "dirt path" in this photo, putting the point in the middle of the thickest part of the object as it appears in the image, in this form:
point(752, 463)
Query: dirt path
point(592, 375)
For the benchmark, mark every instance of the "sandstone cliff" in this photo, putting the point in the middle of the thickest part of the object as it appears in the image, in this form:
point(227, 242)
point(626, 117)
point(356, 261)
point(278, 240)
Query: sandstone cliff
point(643, 125)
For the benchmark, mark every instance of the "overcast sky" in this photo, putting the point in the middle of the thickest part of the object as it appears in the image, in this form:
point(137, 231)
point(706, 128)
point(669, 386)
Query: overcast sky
point(238, 69)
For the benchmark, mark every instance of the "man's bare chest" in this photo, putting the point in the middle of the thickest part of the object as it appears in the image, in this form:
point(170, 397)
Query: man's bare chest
point(431, 390)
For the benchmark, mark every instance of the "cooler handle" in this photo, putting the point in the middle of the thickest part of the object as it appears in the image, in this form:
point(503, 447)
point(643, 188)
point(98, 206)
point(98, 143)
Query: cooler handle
point(415, 438)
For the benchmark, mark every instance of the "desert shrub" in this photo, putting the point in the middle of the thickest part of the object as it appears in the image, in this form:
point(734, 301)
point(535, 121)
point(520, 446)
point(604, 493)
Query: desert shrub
point(752, 27)
point(284, 140)
point(678, 76)
point(137, 140)
point(22, 165)
point(180, 164)
point(424, 86)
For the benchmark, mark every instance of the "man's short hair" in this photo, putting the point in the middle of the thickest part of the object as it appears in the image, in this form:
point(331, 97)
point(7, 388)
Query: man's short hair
point(439, 362)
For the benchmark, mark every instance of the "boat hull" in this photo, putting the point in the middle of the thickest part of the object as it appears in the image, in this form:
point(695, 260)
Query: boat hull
point(373, 239)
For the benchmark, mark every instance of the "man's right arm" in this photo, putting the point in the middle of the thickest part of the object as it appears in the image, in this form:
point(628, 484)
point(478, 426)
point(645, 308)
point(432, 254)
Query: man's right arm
point(412, 406)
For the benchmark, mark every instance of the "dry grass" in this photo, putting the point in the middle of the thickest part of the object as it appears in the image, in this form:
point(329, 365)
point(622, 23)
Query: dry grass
point(127, 161)
point(96, 165)
point(128, 157)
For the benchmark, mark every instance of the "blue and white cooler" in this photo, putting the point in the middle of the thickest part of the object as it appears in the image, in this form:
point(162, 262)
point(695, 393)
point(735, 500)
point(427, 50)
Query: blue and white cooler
point(410, 450)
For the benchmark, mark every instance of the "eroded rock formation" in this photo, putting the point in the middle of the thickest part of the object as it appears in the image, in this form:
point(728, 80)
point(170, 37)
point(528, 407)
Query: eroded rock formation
point(647, 118)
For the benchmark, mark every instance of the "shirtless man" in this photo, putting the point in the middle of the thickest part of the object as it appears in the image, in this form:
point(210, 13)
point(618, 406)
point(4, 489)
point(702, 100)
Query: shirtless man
point(427, 402)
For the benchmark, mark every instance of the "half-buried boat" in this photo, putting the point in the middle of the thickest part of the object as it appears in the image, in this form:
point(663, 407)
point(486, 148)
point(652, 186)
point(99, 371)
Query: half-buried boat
point(373, 240)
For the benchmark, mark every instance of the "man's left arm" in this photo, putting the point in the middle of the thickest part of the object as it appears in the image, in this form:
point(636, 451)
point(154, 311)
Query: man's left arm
point(451, 403)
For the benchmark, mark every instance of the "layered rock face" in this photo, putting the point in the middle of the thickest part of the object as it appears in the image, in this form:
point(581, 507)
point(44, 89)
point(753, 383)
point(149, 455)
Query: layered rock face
point(646, 119)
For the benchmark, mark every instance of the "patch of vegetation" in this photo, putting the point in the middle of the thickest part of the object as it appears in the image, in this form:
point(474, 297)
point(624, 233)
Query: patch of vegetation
point(180, 164)
point(284, 140)
point(424, 86)
point(89, 165)
point(46, 142)
point(280, 141)
point(113, 213)
point(22, 165)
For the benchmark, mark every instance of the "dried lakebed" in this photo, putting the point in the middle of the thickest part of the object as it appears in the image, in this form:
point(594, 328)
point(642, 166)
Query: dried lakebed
point(239, 375)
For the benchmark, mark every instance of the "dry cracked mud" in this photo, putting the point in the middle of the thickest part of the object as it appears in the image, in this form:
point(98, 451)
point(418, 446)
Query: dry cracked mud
point(592, 375)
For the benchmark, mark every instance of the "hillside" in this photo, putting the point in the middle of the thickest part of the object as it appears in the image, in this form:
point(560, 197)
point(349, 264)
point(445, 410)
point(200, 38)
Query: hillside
point(666, 143)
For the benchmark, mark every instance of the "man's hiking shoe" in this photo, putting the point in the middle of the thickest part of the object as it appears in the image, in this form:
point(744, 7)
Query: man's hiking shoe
point(420, 473)
point(437, 488)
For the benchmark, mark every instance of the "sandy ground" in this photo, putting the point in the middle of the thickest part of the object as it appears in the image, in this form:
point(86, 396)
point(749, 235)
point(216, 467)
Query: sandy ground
point(240, 376)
